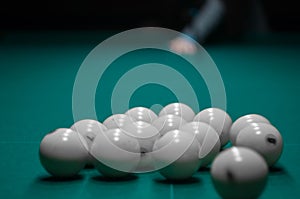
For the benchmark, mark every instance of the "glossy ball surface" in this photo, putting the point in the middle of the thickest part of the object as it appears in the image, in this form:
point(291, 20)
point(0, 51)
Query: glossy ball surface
point(145, 133)
point(63, 153)
point(178, 109)
point(142, 114)
point(168, 123)
point(176, 155)
point(116, 154)
point(89, 129)
point(118, 121)
point(208, 139)
point(218, 119)
point(239, 173)
point(243, 122)
point(263, 138)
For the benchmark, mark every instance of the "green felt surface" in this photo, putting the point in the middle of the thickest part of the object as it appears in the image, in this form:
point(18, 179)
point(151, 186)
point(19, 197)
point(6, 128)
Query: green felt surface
point(38, 70)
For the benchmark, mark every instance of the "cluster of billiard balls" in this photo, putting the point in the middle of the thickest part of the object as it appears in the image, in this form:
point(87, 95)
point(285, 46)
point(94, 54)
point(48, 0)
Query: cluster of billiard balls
point(176, 143)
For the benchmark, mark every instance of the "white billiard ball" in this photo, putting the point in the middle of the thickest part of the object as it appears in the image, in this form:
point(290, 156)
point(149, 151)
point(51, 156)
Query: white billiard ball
point(263, 138)
point(176, 155)
point(142, 114)
point(116, 154)
point(242, 122)
point(239, 173)
point(144, 132)
point(208, 139)
point(63, 153)
point(178, 109)
point(117, 121)
point(167, 123)
point(219, 120)
point(88, 129)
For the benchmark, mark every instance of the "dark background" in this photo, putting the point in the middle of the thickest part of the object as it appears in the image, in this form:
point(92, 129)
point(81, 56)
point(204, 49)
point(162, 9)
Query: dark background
point(282, 15)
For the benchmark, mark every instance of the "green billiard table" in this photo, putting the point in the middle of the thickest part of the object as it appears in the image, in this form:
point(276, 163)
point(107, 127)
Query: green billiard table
point(38, 70)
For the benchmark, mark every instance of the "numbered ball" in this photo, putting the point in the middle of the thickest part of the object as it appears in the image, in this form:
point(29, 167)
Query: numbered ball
point(242, 122)
point(208, 139)
point(263, 138)
point(239, 173)
point(168, 123)
point(178, 109)
point(63, 153)
point(176, 155)
point(142, 114)
point(219, 120)
point(116, 154)
point(118, 121)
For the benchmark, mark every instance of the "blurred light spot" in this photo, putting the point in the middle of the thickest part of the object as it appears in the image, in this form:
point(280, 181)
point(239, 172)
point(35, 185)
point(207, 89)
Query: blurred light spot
point(116, 134)
point(237, 155)
point(69, 131)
